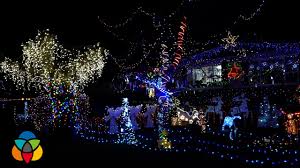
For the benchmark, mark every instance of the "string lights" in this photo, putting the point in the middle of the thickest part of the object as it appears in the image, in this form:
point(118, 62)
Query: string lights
point(252, 49)
point(124, 66)
point(178, 53)
point(44, 60)
point(242, 150)
point(256, 12)
point(165, 65)
point(230, 40)
point(193, 46)
point(127, 134)
point(47, 66)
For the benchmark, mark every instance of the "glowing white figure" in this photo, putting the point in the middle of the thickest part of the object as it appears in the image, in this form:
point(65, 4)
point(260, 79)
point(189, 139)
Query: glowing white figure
point(229, 121)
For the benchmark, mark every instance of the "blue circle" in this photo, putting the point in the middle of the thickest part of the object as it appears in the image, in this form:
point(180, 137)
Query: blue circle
point(27, 135)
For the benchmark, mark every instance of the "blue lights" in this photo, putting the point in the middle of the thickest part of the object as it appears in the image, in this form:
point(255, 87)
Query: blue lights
point(157, 86)
point(278, 50)
point(243, 152)
point(127, 134)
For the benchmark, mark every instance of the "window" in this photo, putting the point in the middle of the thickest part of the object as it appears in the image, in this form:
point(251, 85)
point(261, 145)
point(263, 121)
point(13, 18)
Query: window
point(208, 74)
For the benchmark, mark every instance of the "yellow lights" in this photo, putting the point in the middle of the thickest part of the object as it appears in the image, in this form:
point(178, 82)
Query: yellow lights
point(44, 60)
point(164, 143)
point(230, 40)
point(151, 92)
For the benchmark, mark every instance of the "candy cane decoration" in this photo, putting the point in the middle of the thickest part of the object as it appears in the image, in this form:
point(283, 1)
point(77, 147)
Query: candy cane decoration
point(180, 39)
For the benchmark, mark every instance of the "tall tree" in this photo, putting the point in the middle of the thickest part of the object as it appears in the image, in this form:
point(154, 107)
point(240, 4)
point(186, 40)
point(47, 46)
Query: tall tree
point(60, 74)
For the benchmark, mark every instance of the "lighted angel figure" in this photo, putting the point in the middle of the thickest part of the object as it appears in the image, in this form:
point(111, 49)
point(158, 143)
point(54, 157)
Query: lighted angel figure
point(150, 111)
point(133, 116)
point(113, 115)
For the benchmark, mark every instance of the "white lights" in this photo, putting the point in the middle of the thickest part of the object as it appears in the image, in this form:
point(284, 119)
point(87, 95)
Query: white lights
point(230, 40)
point(44, 59)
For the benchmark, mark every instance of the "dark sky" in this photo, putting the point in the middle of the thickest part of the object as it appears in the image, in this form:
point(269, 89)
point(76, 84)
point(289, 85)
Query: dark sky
point(76, 24)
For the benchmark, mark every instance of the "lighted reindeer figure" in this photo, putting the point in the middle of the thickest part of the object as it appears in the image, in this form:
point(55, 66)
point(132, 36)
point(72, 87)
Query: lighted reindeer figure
point(229, 121)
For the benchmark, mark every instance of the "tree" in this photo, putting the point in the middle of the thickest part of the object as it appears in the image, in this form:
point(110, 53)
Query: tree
point(60, 74)
point(269, 115)
point(264, 116)
point(127, 134)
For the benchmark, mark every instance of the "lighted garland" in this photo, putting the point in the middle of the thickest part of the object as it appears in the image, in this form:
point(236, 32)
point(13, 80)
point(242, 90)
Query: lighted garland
point(158, 22)
point(137, 12)
point(113, 28)
point(252, 15)
point(165, 65)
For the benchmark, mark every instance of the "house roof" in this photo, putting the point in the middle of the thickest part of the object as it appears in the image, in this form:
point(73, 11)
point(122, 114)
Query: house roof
point(244, 52)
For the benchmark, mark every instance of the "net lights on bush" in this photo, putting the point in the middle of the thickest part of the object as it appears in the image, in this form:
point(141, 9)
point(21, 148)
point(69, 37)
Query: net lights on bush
point(64, 102)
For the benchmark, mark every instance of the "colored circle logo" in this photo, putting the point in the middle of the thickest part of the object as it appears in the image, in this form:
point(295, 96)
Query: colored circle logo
point(27, 148)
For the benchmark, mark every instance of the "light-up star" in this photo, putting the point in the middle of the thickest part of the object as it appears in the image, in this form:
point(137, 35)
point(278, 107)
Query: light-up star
point(230, 40)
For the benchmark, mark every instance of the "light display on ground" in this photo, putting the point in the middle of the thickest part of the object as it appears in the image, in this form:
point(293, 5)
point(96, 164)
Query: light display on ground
point(241, 150)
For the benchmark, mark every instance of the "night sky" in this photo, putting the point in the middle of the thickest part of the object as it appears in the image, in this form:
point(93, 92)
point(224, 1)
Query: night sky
point(77, 24)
